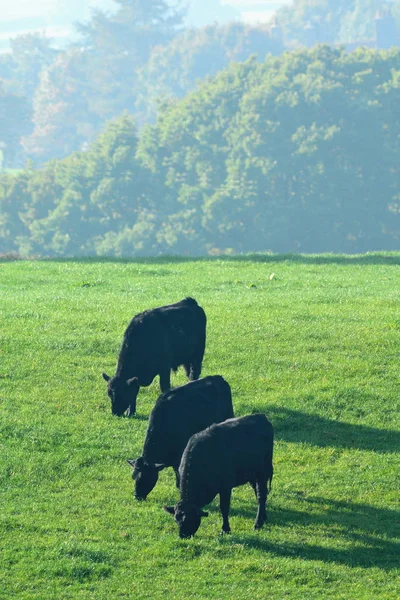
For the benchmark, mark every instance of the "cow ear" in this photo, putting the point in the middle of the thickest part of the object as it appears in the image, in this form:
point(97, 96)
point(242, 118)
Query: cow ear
point(159, 467)
point(131, 462)
point(169, 509)
point(203, 513)
point(106, 377)
point(133, 381)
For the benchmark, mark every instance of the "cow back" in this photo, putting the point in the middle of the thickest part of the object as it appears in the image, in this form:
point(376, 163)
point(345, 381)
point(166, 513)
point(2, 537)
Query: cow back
point(226, 455)
point(184, 327)
point(182, 412)
point(167, 335)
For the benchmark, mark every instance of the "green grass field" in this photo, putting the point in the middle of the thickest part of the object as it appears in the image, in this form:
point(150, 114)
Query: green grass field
point(312, 341)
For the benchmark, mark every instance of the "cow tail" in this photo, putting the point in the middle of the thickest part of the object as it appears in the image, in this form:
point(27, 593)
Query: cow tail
point(270, 467)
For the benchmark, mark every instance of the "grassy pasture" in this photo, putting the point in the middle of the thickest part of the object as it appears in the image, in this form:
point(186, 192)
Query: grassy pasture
point(312, 341)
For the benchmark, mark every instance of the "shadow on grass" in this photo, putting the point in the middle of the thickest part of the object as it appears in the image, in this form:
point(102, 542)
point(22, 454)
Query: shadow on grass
point(135, 417)
point(350, 534)
point(356, 535)
point(296, 426)
point(353, 520)
point(370, 258)
point(367, 554)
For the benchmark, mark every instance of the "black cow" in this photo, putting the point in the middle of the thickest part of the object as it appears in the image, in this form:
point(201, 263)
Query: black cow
point(155, 342)
point(218, 459)
point(177, 415)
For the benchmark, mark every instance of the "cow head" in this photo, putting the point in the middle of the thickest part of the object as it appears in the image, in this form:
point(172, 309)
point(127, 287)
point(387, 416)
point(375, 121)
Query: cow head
point(122, 393)
point(145, 476)
point(187, 516)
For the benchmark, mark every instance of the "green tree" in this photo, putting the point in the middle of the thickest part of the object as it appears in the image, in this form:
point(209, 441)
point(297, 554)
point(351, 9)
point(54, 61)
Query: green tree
point(30, 53)
point(65, 115)
point(334, 21)
point(89, 195)
point(15, 121)
point(96, 80)
point(298, 153)
point(7, 66)
point(288, 163)
point(174, 70)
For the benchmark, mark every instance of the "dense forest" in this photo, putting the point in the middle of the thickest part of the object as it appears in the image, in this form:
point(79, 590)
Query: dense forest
point(55, 102)
point(338, 21)
point(298, 152)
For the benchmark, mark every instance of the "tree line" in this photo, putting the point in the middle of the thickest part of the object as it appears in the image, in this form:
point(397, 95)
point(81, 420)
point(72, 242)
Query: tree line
point(298, 153)
point(55, 102)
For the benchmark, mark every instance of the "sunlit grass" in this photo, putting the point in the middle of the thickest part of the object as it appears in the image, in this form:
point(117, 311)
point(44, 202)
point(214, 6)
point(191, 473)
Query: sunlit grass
point(316, 347)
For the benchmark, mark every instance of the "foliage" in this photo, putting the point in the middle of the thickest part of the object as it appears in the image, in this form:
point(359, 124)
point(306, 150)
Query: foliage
point(65, 110)
point(75, 202)
point(7, 66)
point(265, 156)
point(31, 53)
point(20, 72)
point(15, 121)
point(195, 54)
point(136, 25)
point(129, 61)
point(276, 156)
point(337, 21)
point(96, 80)
point(316, 349)
point(139, 57)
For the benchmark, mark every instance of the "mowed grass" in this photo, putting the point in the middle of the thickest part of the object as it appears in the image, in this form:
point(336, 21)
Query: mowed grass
point(311, 341)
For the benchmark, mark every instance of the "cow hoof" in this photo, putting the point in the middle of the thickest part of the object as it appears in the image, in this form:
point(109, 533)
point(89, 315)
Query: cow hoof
point(223, 532)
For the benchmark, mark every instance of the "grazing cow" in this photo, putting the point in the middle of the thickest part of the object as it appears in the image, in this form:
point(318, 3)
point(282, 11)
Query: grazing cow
point(218, 459)
point(155, 342)
point(176, 416)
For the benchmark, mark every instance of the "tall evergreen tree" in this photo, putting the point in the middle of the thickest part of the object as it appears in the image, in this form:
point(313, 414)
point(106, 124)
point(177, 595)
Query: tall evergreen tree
point(15, 121)
point(31, 53)
point(97, 80)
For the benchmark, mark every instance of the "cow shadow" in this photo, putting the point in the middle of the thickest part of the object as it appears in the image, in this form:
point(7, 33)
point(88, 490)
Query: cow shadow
point(356, 535)
point(368, 553)
point(137, 417)
point(301, 427)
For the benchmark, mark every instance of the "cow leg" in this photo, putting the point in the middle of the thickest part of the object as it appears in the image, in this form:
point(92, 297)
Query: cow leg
point(195, 370)
point(224, 505)
point(165, 380)
point(254, 486)
point(261, 518)
point(177, 476)
point(197, 359)
point(187, 367)
point(131, 409)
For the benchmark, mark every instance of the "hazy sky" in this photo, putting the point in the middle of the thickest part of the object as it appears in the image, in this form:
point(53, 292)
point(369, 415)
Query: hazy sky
point(56, 17)
point(202, 11)
point(252, 10)
point(22, 9)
